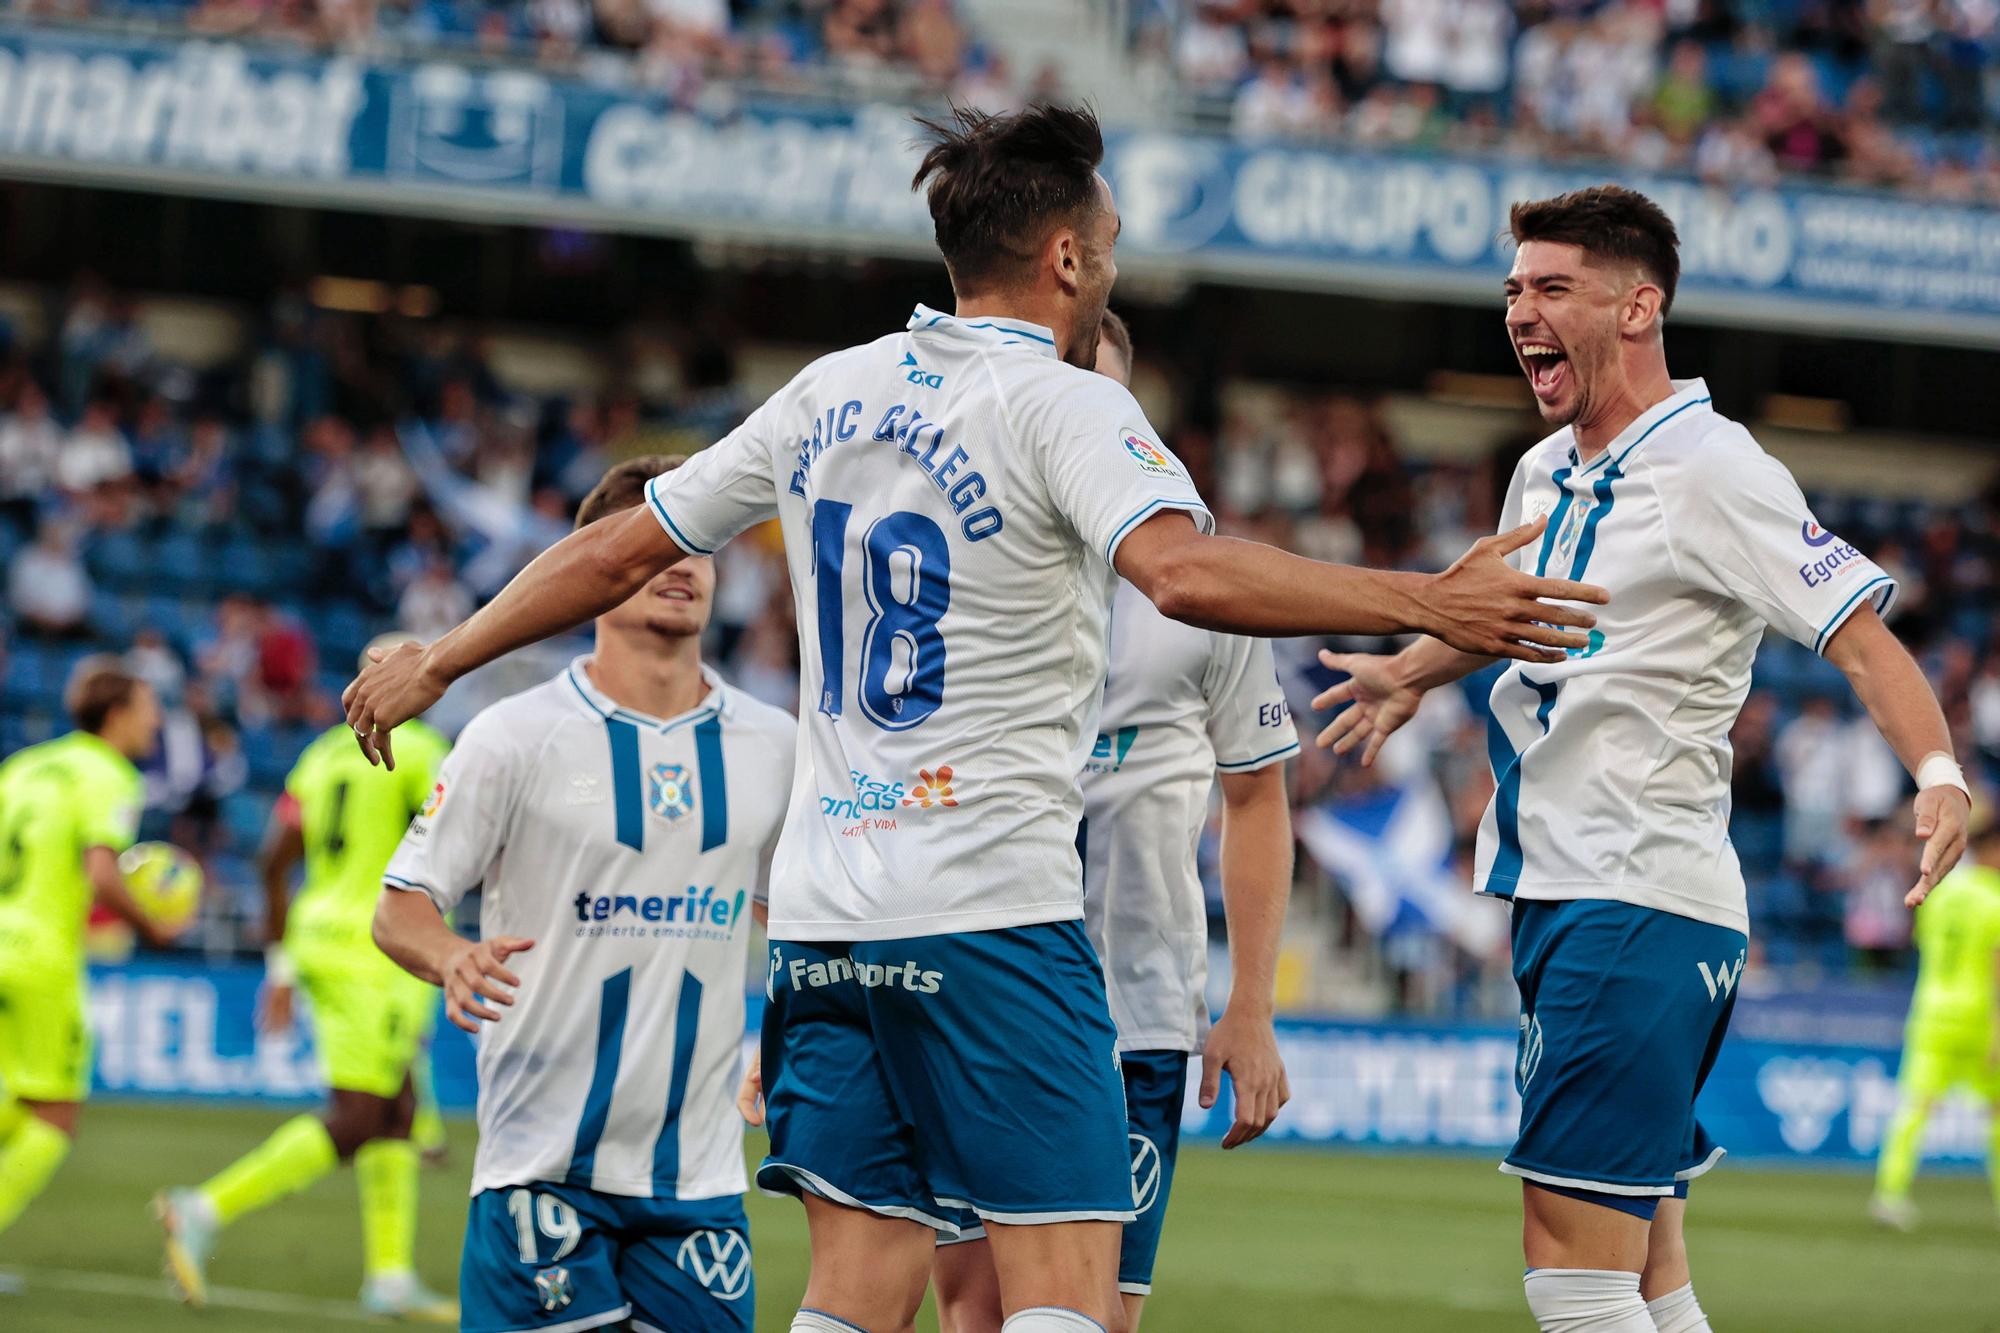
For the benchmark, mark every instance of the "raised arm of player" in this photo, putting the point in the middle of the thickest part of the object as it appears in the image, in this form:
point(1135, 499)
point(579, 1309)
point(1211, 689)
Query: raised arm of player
point(409, 928)
point(1384, 690)
point(1891, 685)
point(1481, 604)
point(585, 574)
point(107, 883)
point(1256, 885)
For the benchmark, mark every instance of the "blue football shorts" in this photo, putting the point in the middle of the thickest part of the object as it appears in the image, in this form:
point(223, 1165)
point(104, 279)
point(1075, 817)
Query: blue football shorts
point(974, 1071)
point(1623, 1010)
point(556, 1258)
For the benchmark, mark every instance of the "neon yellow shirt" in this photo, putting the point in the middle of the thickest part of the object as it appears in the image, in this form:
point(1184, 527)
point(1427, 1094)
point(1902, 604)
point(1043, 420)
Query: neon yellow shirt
point(1958, 938)
point(353, 815)
point(57, 800)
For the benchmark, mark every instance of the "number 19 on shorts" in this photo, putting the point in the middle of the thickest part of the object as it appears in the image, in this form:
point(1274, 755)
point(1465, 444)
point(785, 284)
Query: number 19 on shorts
point(904, 567)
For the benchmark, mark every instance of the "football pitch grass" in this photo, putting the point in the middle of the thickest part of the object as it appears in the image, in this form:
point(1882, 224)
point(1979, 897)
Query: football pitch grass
point(1264, 1239)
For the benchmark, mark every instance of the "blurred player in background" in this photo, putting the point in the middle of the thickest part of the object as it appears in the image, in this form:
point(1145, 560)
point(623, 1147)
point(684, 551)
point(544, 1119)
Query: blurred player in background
point(954, 498)
point(1609, 827)
point(619, 818)
point(343, 817)
point(1184, 710)
point(68, 807)
point(1953, 1039)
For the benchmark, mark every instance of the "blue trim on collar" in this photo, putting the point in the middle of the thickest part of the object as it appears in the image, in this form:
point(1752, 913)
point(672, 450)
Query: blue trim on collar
point(996, 330)
point(710, 707)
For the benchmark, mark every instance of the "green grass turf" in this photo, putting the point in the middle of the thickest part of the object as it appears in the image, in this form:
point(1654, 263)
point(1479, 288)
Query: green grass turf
point(1264, 1239)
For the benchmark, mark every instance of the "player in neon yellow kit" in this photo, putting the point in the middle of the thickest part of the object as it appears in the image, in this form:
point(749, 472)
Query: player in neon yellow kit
point(370, 1019)
point(1953, 1038)
point(67, 808)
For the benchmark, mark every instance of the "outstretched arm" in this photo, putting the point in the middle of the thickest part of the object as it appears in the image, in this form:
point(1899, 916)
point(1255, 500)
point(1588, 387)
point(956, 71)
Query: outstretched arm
point(1383, 691)
point(1480, 605)
point(1891, 685)
point(409, 928)
point(580, 577)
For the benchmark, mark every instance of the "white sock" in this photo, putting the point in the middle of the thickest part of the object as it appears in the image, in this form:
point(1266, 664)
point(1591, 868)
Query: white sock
point(812, 1321)
point(1051, 1319)
point(1587, 1300)
point(1678, 1312)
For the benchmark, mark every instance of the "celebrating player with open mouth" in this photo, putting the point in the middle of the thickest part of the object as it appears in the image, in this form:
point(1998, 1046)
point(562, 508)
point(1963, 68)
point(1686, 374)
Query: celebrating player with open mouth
point(1609, 827)
point(617, 820)
point(954, 498)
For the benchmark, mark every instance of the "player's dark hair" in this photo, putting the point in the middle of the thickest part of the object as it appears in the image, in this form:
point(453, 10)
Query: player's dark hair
point(1607, 222)
point(624, 486)
point(98, 687)
point(998, 185)
point(1114, 330)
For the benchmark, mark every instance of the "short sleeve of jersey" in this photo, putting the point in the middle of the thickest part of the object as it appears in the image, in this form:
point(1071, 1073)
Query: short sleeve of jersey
point(1249, 724)
point(1106, 469)
point(460, 827)
point(419, 752)
point(722, 490)
point(1738, 525)
point(107, 806)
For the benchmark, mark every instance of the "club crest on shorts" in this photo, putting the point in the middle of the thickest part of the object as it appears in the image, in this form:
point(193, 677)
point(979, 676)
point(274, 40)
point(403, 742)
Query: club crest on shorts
point(553, 1288)
point(1531, 1051)
point(1145, 1172)
point(669, 792)
point(719, 1260)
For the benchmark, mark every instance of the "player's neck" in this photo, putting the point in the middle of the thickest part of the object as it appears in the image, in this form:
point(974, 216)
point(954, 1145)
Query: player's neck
point(659, 678)
point(1639, 393)
point(1047, 310)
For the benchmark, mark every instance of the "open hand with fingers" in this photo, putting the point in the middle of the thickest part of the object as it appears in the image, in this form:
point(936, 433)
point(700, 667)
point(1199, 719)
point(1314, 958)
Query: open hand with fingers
point(1942, 814)
point(396, 685)
point(1484, 605)
point(1378, 702)
point(1244, 1045)
point(475, 973)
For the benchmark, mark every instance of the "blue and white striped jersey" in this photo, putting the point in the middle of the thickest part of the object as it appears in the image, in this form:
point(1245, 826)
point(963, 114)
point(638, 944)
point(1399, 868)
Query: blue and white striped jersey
point(951, 498)
point(1612, 767)
point(629, 849)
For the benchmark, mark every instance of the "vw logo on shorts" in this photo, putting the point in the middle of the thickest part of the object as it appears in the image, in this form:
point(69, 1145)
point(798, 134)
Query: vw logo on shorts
point(552, 1285)
point(719, 1260)
point(1145, 1172)
point(1531, 1051)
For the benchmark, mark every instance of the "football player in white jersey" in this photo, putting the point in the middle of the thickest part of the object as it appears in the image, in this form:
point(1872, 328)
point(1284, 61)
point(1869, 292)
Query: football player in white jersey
point(1609, 825)
point(618, 817)
point(954, 499)
point(1185, 710)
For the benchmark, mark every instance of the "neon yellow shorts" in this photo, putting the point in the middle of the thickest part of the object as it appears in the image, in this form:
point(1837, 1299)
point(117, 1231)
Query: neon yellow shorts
point(44, 1036)
point(370, 1021)
point(1936, 1062)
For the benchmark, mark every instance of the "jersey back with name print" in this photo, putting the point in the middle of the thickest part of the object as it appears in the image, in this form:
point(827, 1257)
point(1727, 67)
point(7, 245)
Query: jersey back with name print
point(1612, 766)
point(951, 498)
point(629, 849)
point(1180, 703)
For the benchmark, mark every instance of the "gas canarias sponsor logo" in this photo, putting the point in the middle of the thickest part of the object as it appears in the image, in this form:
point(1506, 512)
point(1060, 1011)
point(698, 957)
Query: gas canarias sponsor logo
point(805, 974)
point(697, 912)
point(872, 796)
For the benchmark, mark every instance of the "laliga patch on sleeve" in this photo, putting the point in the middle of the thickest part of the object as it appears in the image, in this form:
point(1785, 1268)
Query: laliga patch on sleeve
point(1149, 456)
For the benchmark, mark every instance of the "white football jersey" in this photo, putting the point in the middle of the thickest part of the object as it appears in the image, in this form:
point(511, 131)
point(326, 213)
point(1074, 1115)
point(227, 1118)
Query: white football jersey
point(1612, 767)
point(1179, 704)
point(628, 849)
point(951, 497)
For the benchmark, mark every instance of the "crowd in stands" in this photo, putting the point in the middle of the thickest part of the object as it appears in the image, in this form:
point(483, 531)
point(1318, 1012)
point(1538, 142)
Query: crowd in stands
point(1884, 93)
point(685, 48)
point(243, 530)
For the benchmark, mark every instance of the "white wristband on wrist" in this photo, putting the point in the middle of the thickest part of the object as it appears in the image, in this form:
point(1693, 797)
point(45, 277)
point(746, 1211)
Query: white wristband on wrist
point(1939, 769)
point(278, 968)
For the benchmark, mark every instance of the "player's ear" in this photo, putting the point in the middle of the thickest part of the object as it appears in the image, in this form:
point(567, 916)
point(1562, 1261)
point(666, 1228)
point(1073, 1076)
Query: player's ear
point(1065, 258)
point(1642, 309)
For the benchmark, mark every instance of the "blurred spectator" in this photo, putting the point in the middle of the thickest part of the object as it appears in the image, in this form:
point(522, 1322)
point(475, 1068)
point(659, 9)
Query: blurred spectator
point(47, 586)
point(1809, 754)
point(95, 455)
point(434, 602)
point(153, 660)
point(30, 446)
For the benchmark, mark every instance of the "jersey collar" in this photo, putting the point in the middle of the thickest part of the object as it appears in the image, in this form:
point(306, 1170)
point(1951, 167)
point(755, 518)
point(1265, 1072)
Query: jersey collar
point(990, 329)
point(1687, 396)
point(714, 704)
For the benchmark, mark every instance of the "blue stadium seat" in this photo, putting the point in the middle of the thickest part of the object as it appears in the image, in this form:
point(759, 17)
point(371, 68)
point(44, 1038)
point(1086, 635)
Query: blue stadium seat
point(111, 616)
point(341, 630)
point(181, 564)
point(117, 557)
point(245, 565)
point(244, 815)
